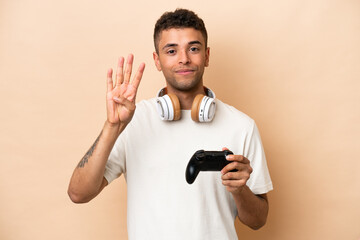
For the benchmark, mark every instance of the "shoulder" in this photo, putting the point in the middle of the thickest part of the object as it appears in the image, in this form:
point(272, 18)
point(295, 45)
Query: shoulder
point(232, 114)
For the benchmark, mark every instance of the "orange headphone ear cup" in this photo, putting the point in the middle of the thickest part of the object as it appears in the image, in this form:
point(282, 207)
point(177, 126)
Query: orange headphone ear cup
point(195, 108)
point(176, 104)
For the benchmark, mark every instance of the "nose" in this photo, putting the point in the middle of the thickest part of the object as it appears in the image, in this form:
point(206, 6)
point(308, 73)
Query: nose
point(184, 57)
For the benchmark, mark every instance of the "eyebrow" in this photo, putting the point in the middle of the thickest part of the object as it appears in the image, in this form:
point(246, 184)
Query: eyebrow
point(195, 42)
point(175, 44)
point(170, 45)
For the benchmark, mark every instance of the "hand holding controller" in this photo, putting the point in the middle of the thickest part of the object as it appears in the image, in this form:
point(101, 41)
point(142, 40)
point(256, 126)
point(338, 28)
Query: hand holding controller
point(206, 161)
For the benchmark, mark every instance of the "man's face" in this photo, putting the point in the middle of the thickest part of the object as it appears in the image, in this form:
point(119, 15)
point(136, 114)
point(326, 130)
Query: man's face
point(182, 58)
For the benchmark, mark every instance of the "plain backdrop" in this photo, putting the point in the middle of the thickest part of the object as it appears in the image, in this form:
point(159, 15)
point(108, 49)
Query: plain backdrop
point(293, 66)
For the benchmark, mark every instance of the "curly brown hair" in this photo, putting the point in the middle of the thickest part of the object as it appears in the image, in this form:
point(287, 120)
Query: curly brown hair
point(180, 18)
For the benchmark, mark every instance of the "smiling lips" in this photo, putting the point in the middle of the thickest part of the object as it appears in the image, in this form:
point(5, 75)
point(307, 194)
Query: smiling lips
point(185, 71)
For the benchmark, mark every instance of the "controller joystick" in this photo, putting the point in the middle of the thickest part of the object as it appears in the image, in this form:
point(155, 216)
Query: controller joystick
point(206, 161)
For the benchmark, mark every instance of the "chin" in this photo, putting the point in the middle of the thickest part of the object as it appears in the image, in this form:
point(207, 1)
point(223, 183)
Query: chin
point(185, 88)
point(185, 85)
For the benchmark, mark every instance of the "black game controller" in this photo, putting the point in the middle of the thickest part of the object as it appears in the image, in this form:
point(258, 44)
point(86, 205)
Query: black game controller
point(206, 161)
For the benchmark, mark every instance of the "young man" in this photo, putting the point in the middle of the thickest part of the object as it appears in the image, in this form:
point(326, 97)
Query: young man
point(153, 153)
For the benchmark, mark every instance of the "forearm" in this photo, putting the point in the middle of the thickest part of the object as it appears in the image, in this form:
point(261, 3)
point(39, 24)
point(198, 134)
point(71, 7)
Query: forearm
point(252, 209)
point(87, 179)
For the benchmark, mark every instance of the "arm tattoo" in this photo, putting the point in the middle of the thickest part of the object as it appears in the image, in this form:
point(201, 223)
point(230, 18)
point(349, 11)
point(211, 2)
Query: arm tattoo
point(89, 153)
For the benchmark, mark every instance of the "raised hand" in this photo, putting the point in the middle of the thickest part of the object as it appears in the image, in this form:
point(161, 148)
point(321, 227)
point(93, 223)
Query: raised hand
point(120, 98)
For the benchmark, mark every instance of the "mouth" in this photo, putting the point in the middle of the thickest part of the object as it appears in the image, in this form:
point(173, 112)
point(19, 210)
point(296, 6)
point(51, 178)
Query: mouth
point(184, 71)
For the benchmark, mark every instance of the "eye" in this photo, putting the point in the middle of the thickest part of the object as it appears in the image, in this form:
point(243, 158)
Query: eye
point(194, 49)
point(170, 51)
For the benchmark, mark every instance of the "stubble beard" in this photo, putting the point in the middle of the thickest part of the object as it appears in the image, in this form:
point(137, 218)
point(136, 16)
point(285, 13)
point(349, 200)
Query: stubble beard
point(185, 85)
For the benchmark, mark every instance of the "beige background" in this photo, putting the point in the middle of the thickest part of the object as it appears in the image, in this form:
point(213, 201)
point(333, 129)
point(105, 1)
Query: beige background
point(293, 66)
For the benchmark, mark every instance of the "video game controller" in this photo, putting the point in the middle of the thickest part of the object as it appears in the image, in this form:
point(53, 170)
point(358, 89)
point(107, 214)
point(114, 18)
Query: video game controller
point(206, 161)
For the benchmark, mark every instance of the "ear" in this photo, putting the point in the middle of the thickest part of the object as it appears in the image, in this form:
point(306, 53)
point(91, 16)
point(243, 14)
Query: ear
point(157, 61)
point(207, 57)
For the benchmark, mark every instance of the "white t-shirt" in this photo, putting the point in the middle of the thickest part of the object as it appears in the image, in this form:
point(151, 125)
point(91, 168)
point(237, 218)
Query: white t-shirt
point(153, 155)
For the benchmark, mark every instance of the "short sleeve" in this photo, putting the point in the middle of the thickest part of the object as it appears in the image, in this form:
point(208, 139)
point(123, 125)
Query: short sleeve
point(260, 181)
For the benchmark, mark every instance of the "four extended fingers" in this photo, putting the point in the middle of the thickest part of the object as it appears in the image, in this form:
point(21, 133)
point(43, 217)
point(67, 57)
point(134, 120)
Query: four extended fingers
point(123, 76)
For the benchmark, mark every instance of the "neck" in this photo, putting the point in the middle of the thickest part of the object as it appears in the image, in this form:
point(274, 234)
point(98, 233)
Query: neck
point(186, 98)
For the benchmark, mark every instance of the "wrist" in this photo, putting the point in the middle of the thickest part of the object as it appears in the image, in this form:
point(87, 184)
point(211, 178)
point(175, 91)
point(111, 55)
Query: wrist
point(240, 192)
point(112, 125)
point(114, 128)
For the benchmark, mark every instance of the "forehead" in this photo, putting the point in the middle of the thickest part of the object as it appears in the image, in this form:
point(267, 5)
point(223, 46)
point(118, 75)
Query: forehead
point(180, 36)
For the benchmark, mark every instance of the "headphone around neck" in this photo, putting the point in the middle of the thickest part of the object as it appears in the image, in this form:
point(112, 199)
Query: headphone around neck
point(202, 109)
